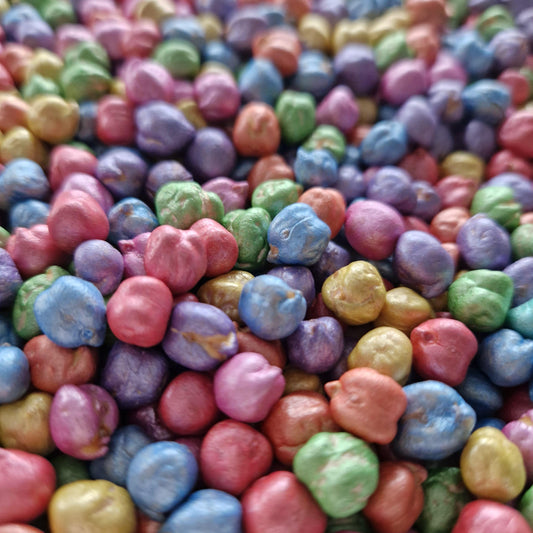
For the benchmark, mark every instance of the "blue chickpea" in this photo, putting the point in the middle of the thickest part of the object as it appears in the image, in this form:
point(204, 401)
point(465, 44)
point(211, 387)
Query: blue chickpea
point(186, 28)
point(315, 168)
point(28, 213)
point(480, 393)
point(487, 100)
point(71, 313)
point(385, 144)
point(125, 442)
point(520, 318)
point(14, 374)
point(506, 358)
point(21, 180)
point(297, 236)
point(473, 53)
point(128, 218)
point(271, 308)
point(17, 15)
point(259, 80)
point(160, 476)
point(437, 422)
point(87, 122)
point(314, 74)
point(220, 52)
point(8, 335)
point(206, 511)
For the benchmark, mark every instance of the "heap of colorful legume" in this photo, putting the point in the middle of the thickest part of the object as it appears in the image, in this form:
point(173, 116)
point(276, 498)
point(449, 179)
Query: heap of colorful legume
point(266, 267)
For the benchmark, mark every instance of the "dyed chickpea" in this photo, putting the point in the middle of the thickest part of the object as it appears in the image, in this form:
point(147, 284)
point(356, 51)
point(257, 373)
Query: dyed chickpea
point(268, 168)
point(385, 349)
point(485, 516)
point(221, 247)
point(233, 455)
point(404, 309)
point(24, 424)
point(65, 160)
point(373, 228)
point(328, 204)
point(52, 366)
point(399, 497)
point(247, 386)
point(97, 504)
point(185, 257)
point(28, 485)
point(379, 402)
point(279, 501)
point(138, 311)
point(443, 349)
point(199, 336)
point(272, 351)
point(187, 405)
point(114, 121)
point(224, 292)
point(133, 375)
point(505, 478)
point(256, 131)
point(355, 293)
point(293, 420)
point(281, 46)
point(92, 410)
point(76, 217)
point(297, 380)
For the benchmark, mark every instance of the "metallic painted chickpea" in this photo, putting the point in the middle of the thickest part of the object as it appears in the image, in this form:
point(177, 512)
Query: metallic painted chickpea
point(463, 164)
point(349, 31)
point(404, 309)
point(21, 142)
point(190, 109)
point(355, 293)
point(52, 119)
point(392, 20)
point(492, 466)
point(315, 32)
point(281, 46)
point(45, 63)
point(386, 350)
point(368, 110)
point(92, 505)
point(297, 380)
point(156, 10)
point(211, 25)
point(224, 292)
point(24, 424)
point(446, 224)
